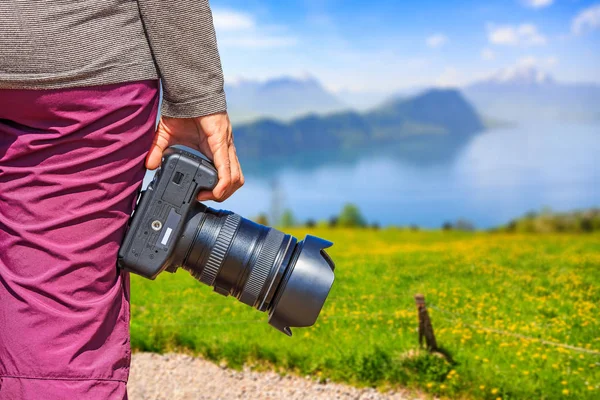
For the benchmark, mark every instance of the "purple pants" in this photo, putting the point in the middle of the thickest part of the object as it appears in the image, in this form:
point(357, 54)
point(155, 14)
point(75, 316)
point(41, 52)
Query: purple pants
point(71, 162)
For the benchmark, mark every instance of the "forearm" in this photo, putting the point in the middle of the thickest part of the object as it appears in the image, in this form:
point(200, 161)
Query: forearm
point(182, 39)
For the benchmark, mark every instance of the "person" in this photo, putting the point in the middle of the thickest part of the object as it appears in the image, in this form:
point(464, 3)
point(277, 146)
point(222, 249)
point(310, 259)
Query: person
point(79, 94)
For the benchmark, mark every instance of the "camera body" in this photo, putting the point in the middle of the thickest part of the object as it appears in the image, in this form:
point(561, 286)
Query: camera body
point(260, 266)
point(163, 210)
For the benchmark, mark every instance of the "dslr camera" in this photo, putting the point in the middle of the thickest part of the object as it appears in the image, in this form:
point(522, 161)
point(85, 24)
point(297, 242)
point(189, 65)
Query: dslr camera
point(260, 266)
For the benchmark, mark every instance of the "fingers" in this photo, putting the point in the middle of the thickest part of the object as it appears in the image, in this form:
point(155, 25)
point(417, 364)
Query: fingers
point(220, 150)
point(230, 174)
point(237, 176)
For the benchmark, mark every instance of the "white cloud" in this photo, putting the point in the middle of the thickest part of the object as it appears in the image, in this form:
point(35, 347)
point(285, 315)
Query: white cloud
point(531, 61)
point(513, 35)
point(538, 3)
point(240, 30)
point(551, 61)
point(528, 61)
point(437, 40)
point(230, 20)
point(450, 77)
point(587, 20)
point(488, 54)
point(258, 42)
point(374, 70)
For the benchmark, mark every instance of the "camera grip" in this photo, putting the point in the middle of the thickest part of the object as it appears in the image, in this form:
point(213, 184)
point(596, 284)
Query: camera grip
point(164, 209)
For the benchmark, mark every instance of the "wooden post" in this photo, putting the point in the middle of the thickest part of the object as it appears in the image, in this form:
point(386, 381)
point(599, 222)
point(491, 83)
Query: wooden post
point(425, 327)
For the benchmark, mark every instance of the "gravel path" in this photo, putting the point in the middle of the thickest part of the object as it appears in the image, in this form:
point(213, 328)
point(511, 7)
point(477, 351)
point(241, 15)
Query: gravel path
point(181, 377)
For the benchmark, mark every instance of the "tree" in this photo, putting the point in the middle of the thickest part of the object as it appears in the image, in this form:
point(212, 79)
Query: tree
point(311, 223)
point(262, 219)
point(464, 225)
point(350, 217)
point(287, 219)
point(332, 222)
point(512, 226)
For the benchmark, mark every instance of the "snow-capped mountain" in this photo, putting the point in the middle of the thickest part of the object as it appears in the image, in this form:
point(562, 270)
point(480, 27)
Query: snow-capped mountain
point(525, 93)
point(519, 75)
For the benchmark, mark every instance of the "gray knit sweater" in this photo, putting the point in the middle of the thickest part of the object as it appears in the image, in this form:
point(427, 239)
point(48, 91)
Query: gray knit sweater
point(46, 44)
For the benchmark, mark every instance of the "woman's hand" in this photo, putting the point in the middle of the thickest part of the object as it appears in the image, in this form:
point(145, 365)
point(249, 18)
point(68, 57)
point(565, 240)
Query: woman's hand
point(212, 136)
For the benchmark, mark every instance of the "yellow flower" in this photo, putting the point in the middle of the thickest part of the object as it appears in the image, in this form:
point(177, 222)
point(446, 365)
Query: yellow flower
point(494, 391)
point(525, 372)
point(564, 382)
point(429, 384)
point(590, 387)
point(566, 392)
point(481, 387)
point(442, 386)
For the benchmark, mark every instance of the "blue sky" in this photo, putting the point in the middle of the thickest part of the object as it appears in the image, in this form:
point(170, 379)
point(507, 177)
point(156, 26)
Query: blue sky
point(391, 45)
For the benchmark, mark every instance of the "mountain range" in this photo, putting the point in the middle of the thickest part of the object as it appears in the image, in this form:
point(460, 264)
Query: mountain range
point(524, 93)
point(287, 119)
point(281, 98)
point(436, 116)
point(516, 94)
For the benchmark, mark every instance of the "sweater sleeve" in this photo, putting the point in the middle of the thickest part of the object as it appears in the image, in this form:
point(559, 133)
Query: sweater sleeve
point(182, 39)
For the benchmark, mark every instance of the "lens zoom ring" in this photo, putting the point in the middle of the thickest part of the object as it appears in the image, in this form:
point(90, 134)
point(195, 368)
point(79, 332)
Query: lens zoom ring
point(219, 250)
point(262, 267)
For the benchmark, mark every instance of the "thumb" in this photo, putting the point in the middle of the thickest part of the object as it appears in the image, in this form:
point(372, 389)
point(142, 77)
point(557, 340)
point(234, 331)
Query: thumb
point(160, 143)
point(154, 156)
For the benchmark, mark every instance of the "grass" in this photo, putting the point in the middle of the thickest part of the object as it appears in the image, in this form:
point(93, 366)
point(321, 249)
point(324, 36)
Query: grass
point(492, 298)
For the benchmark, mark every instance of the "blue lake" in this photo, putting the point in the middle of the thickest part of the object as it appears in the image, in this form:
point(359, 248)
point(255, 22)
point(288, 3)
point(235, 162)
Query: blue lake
point(497, 176)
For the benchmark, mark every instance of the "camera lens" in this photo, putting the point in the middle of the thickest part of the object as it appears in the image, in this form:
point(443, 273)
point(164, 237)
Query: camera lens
point(260, 266)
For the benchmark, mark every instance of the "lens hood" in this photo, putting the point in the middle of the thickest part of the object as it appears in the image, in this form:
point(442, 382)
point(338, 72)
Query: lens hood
point(305, 287)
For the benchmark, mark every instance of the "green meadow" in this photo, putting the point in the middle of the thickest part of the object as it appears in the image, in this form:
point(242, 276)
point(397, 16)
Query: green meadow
point(518, 316)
